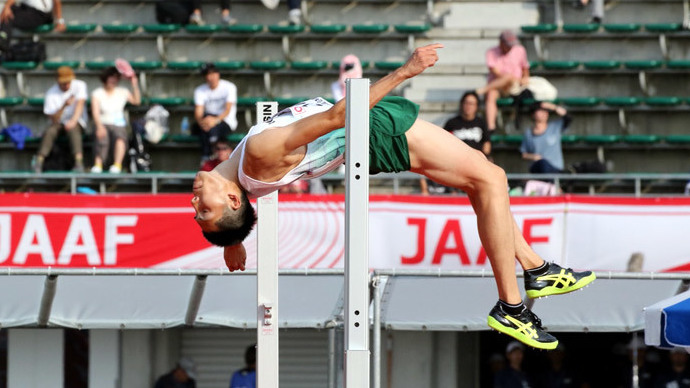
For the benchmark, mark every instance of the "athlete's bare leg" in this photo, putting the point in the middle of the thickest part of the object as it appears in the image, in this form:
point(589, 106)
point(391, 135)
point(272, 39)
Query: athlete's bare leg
point(447, 160)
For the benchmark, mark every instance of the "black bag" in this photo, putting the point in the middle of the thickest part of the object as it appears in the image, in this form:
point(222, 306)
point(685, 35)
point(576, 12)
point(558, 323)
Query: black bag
point(26, 51)
point(139, 159)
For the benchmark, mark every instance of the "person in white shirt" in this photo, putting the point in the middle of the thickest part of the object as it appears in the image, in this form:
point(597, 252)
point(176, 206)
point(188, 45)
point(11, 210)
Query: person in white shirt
point(215, 109)
point(64, 106)
point(28, 15)
point(108, 111)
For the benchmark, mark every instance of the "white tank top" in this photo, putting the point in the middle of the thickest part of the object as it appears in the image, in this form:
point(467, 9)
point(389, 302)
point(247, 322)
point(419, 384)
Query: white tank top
point(323, 155)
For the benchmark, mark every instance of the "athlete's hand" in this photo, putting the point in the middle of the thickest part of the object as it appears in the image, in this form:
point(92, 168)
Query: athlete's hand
point(235, 257)
point(421, 59)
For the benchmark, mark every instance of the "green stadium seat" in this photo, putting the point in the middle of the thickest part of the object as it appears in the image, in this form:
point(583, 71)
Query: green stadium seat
point(35, 101)
point(602, 139)
point(388, 65)
point(533, 65)
point(146, 65)
point(267, 65)
point(179, 138)
point(513, 139)
point(245, 28)
point(643, 64)
point(2, 138)
point(203, 29)
point(80, 28)
point(641, 139)
point(11, 101)
point(663, 27)
point(236, 137)
point(495, 138)
point(662, 101)
point(184, 65)
point(52, 65)
point(621, 101)
point(602, 65)
point(539, 28)
point(504, 102)
point(161, 28)
point(288, 101)
point(570, 139)
point(560, 65)
point(581, 28)
point(678, 64)
point(412, 28)
point(230, 65)
point(98, 65)
point(168, 101)
point(20, 65)
point(249, 101)
point(677, 139)
point(623, 28)
point(370, 28)
point(286, 29)
point(327, 28)
point(43, 29)
point(580, 101)
point(309, 65)
point(119, 28)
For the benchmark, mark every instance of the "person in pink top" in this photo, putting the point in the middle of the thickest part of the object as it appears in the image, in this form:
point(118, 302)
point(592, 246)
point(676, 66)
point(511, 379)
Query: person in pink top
point(508, 73)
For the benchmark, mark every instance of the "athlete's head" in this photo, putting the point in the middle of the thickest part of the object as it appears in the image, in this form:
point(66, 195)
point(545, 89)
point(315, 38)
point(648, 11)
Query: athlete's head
point(222, 209)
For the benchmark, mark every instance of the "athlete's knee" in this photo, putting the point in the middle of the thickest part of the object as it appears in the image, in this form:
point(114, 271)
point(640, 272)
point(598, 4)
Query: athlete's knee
point(494, 179)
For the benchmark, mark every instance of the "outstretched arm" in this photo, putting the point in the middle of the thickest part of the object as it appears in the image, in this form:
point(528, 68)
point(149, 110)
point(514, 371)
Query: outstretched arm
point(286, 139)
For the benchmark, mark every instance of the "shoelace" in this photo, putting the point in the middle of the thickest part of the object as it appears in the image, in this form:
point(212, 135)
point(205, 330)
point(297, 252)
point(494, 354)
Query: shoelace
point(533, 317)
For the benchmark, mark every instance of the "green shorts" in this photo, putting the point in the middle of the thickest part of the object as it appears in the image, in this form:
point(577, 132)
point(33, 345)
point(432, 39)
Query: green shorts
point(388, 122)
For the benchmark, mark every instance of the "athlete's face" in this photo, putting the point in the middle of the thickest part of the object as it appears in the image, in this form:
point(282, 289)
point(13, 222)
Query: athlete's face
point(210, 199)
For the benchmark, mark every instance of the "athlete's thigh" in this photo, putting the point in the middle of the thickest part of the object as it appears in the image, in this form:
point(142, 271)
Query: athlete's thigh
point(440, 156)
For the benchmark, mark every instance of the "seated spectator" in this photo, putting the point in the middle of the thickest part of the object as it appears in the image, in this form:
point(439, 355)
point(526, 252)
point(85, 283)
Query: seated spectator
point(28, 15)
point(542, 142)
point(64, 106)
point(677, 373)
point(468, 127)
point(108, 112)
point(350, 67)
point(246, 377)
point(215, 109)
point(221, 153)
point(189, 12)
point(558, 373)
point(597, 9)
point(508, 74)
point(182, 376)
point(512, 375)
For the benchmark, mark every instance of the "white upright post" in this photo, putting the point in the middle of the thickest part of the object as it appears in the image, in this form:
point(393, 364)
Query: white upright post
point(267, 277)
point(357, 235)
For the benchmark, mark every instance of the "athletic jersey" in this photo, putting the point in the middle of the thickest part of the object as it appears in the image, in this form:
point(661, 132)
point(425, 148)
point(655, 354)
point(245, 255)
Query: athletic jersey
point(323, 155)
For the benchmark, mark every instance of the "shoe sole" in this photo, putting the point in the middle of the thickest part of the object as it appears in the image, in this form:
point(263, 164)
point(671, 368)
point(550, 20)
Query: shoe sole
point(496, 325)
point(551, 290)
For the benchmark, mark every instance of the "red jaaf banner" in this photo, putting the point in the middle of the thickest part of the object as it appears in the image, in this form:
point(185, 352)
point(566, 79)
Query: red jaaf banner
point(146, 231)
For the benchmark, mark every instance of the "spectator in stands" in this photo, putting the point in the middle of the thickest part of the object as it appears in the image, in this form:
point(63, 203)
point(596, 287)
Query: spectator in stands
point(677, 374)
point(189, 12)
point(541, 143)
point(512, 375)
point(508, 73)
point(246, 377)
point(468, 127)
point(28, 15)
point(597, 9)
point(182, 376)
point(558, 373)
point(295, 12)
point(215, 109)
point(64, 106)
point(646, 370)
point(108, 112)
point(350, 67)
point(221, 153)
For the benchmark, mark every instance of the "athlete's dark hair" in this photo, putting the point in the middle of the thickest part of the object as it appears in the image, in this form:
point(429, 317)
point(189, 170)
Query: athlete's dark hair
point(233, 226)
